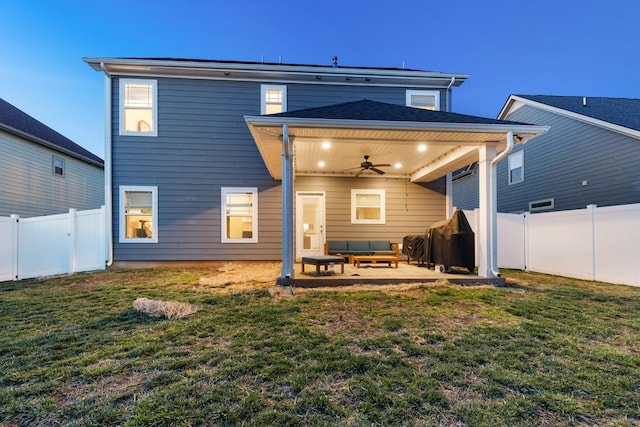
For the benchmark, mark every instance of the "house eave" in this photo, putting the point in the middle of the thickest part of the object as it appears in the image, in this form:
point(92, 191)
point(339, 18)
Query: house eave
point(269, 72)
point(506, 109)
point(49, 145)
point(520, 130)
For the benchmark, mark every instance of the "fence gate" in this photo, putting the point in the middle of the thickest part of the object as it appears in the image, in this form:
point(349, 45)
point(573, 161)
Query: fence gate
point(53, 244)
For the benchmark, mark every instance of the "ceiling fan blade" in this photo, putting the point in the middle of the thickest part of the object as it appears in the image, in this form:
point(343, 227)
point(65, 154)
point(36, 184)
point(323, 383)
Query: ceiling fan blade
point(359, 173)
point(350, 169)
point(378, 171)
point(380, 165)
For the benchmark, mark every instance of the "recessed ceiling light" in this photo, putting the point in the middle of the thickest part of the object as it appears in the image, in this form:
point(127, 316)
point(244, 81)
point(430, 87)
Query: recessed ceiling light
point(326, 145)
point(321, 164)
point(422, 147)
point(398, 165)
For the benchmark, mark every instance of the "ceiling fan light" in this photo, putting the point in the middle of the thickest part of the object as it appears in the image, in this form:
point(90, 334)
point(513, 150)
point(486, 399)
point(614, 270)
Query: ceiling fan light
point(326, 145)
point(422, 148)
point(398, 165)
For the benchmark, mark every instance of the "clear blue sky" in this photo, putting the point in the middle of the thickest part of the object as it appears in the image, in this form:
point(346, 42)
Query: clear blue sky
point(551, 47)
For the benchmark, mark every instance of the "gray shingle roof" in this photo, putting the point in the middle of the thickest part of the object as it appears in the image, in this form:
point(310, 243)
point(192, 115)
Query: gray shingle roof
point(381, 111)
point(12, 118)
point(619, 111)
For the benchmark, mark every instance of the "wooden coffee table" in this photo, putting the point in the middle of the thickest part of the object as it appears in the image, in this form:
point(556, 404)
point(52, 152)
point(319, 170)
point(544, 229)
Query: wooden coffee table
point(374, 259)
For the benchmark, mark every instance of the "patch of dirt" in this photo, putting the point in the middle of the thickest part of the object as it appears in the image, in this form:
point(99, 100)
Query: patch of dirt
point(109, 386)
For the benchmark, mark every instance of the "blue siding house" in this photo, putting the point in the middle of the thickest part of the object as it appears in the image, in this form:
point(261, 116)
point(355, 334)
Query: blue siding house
point(226, 160)
point(590, 155)
point(43, 172)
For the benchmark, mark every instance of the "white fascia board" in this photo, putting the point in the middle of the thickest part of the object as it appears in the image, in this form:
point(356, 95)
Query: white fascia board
point(576, 116)
point(266, 72)
point(383, 124)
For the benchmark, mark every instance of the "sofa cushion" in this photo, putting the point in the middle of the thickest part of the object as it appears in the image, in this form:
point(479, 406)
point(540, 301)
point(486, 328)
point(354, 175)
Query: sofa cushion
point(389, 252)
point(379, 245)
point(359, 246)
point(337, 246)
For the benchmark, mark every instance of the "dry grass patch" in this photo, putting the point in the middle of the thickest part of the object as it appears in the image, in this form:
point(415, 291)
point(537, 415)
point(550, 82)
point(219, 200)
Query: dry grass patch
point(168, 309)
point(240, 277)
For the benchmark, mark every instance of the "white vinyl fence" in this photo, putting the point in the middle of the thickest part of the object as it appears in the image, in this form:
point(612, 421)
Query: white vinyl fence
point(593, 243)
point(54, 244)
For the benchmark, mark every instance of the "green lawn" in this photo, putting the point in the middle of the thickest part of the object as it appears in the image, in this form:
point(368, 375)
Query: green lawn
point(542, 351)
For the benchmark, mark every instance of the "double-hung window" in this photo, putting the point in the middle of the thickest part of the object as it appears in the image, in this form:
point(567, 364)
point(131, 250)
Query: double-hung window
point(239, 215)
point(424, 99)
point(58, 166)
point(368, 206)
point(273, 99)
point(139, 214)
point(516, 167)
point(138, 107)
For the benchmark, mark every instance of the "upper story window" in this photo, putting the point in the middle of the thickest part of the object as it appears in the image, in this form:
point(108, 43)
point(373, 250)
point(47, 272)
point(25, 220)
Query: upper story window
point(138, 107)
point(239, 215)
point(58, 166)
point(368, 207)
point(516, 167)
point(425, 99)
point(273, 99)
point(139, 214)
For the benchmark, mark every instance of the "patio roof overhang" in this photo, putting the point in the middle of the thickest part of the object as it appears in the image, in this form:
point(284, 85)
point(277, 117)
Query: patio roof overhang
point(417, 150)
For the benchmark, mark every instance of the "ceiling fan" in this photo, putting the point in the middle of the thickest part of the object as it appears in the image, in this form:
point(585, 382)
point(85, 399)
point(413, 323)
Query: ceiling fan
point(367, 165)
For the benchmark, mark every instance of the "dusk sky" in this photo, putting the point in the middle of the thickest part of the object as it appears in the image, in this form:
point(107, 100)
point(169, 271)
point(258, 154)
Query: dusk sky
point(550, 47)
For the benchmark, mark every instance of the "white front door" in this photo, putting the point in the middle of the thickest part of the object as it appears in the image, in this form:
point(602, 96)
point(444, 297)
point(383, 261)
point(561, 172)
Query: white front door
point(310, 232)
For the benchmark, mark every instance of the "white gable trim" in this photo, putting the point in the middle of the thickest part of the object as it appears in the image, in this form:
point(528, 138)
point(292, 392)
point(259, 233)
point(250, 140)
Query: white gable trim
point(514, 102)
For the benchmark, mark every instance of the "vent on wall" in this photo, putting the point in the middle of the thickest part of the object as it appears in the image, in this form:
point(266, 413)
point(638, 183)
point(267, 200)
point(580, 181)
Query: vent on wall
point(468, 170)
point(541, 205)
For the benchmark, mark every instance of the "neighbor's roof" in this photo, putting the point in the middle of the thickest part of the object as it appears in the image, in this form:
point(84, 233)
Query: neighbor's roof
point(618, 111)
point(380, 111)
point(16, 121)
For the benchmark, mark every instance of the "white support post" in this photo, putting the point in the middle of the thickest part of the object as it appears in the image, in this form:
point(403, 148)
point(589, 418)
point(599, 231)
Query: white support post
point(449, 196)
point(591, 211)
point(484, 236)
point(15, 250)
point(288, 267)
point(71, 233)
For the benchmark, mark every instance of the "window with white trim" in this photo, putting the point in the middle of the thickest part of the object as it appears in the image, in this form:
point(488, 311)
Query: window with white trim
point(368, 206)
point(424, 99)
point(138, 107)
point(516, 167)
point(138, 214)
point(58, 166)
point(239, 215)
point(273, 99)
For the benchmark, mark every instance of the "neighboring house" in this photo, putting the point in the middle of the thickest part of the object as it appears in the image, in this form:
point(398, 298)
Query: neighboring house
point(43, 172)
point(590, 155)
point(224, 160)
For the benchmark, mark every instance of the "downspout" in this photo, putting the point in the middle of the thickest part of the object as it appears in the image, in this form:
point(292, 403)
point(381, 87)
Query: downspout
point(493, 202)
point(449, 182)
point(448, 93)
point(107, 166)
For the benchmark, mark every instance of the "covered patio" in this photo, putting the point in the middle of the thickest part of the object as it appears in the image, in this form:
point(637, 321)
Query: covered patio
point(418, 145)
point(381, 274)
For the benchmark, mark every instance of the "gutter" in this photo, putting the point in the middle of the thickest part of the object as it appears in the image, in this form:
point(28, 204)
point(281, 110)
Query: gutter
point(493, 202)
point(278, 121)
point(108, 197)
